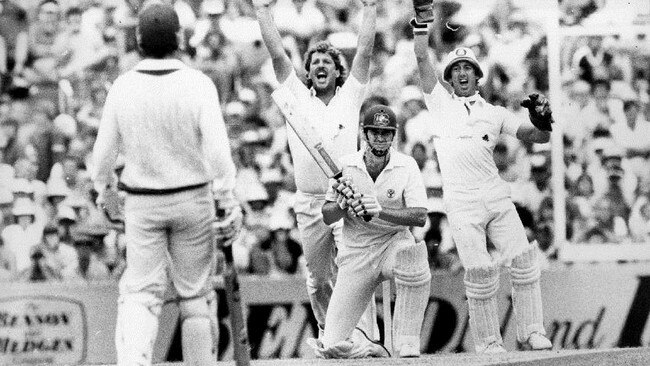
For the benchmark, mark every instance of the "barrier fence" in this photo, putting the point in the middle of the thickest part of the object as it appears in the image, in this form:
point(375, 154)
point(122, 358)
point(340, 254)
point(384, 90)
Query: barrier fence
point(586, 306)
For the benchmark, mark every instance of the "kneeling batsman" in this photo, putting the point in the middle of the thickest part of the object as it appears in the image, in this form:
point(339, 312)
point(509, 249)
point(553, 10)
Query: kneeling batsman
point(384, 185)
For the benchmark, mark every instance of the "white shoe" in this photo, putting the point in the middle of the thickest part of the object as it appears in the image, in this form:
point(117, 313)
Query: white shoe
point(536, 342)
point(494, 347)
point(409, 350)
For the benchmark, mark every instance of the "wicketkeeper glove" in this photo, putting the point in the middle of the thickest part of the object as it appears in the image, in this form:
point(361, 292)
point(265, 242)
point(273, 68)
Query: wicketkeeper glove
point(423, 10)
point(539, 110)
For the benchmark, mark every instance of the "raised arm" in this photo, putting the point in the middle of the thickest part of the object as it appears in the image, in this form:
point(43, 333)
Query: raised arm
point(528, 132)
point(428, 78)
point(366, 41)
point(281, 61)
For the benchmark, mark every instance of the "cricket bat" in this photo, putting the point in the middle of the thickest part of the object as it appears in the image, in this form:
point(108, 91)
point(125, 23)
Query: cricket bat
point(305, 132)
point(241, 345)
point(297, 119)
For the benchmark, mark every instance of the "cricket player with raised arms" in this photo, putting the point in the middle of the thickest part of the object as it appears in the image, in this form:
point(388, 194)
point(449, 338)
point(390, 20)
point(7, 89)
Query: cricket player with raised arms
point(333, 103)
point(465, 129)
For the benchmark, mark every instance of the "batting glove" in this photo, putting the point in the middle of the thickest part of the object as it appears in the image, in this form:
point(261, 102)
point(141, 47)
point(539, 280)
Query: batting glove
point(366, 206)
point(227, 227)
point(539, 110)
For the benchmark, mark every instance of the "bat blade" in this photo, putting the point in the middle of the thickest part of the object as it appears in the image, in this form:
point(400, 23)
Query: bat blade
point(239, 331)
point(241, 345)
point(297, 119)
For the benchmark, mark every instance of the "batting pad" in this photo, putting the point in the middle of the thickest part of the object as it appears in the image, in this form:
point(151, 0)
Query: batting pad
point(481, 286)
point(196, 332)
point(412, 287)
point(526, 294)
point(136, 328)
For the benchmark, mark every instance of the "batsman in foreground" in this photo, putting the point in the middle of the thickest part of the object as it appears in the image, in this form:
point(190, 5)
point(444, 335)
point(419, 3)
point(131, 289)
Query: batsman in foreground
point(388, 186)
point(333, 102)
point(477, 201)
point(164, 117)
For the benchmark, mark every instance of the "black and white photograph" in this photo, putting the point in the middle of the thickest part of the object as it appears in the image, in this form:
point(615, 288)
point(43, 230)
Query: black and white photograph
point(324, 182)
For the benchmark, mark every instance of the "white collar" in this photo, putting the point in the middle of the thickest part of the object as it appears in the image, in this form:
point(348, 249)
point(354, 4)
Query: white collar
point(160, 64)
point(472, 99)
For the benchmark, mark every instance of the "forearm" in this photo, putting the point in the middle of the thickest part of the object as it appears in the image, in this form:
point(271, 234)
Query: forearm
point(366, 41)
point(273, 41)
point(332, 212)
point(528, 132)
point(409, 216)
point(428, 78)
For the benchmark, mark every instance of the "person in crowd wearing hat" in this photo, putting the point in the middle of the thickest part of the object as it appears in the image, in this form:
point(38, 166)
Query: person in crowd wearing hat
point(334, 97)
point(24, 234)
point(479, 208)
point(165, 119)
point(388, 188)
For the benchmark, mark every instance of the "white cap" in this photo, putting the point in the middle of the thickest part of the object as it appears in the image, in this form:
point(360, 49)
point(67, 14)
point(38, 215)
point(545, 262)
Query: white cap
point(461, 54)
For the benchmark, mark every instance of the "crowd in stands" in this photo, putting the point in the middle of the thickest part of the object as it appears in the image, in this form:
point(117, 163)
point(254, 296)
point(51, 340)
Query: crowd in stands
point(59, 57)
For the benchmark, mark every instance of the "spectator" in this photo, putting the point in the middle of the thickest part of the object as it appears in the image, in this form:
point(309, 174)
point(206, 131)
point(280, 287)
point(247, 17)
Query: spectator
point(632, 135)
point(60, 260)
point(11, 149)
point(640, 219)
point(80, 50)
point(43, 34)
point(530, 194)
point(279, 254)
point(604, 227)
point(21, 237)
point(300, 18)
point(15, 43)
point(415, 118)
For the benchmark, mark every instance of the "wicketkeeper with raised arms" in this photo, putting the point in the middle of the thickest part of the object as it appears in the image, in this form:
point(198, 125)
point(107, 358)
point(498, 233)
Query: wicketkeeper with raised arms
point(333, 102)
point(465, 129)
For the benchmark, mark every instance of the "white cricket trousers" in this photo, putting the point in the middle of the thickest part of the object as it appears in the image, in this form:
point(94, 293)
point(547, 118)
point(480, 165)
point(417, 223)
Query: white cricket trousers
point(484, 211)
point(179, 224)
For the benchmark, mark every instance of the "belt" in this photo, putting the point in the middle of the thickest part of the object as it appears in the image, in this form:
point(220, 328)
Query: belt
point(152, 191)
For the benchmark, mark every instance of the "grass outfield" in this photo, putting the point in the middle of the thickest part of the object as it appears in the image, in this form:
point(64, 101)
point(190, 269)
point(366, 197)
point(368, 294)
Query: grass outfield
point(608, 357)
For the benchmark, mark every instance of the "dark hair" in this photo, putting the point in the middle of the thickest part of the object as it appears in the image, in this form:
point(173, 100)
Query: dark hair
point(326, 48)
point(75, 10)
point(157, 27)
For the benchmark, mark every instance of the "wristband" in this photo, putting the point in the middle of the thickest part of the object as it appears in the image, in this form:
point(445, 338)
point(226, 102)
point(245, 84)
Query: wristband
point(414, 23)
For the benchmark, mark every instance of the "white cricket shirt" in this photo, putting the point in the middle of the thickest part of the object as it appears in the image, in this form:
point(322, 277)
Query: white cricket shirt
point(399, 185)
point(168, 126)
point(338, 126)
point(464, 141)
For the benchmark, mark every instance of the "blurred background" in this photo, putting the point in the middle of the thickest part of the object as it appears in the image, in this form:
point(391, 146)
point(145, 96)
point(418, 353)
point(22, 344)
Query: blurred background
point(583, 197)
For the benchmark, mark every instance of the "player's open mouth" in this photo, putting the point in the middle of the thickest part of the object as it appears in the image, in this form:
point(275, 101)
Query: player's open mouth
point(321, 75)
point(463, 82)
